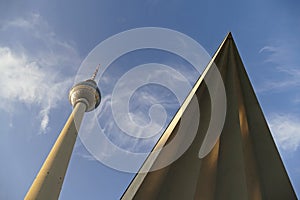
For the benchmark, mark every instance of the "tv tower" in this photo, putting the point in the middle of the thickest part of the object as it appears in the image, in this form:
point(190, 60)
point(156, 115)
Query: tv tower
point(84, 97)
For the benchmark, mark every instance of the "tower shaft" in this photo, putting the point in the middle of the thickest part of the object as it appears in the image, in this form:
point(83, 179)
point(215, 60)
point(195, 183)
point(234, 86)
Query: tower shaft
point(49, 180)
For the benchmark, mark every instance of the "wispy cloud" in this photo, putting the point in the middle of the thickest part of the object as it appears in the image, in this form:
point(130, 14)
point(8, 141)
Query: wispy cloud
point(139, 107)
point(24, 81)
point(120, 138)
point(285, 72)
point(35, 20)
point(296, 100)
point(282, 51)
point(286, 78)
point(33, 72)
point(84, 155)
point(286, 131)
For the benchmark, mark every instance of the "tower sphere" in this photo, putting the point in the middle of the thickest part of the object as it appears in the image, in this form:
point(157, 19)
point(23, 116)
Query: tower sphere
point(86, 92)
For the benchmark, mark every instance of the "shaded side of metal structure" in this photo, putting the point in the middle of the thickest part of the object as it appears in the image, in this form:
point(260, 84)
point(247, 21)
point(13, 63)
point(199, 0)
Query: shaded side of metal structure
point(243, 164)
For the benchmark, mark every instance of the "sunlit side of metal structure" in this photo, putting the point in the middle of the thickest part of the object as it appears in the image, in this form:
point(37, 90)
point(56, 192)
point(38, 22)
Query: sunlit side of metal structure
point(243, 164)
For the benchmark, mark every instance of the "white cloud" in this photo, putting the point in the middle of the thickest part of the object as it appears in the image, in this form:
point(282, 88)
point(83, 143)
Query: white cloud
point(289, 78)
point(33, 72)
point(26, 82)
point(286, 71)
point(22, 23)
point(282, 52)
point(286, 131)
point(33, 35)
point(85, 156)
point(268, 49)
point(296, 100)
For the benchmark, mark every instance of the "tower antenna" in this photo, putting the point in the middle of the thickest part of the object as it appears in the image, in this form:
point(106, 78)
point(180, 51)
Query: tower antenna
point(95, 73)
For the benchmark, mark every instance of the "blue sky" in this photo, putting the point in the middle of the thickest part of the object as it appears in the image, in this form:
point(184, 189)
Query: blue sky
point(42, 44)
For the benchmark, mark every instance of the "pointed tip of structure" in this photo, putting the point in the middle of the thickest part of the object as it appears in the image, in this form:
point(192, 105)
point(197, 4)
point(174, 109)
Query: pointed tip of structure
point(229, 35)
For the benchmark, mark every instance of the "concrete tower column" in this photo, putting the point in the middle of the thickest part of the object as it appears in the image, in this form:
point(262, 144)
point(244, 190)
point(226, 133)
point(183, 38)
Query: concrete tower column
point(84, 97)
point(48, 182)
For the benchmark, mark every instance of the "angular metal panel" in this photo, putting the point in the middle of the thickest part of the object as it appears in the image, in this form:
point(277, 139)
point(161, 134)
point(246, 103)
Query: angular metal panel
point(244, 163)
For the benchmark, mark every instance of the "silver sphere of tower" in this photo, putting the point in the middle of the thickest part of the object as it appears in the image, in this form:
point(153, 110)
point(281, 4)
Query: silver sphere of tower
point(86, 92)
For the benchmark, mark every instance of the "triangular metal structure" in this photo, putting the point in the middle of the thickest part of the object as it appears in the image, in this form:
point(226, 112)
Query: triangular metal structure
point(243, 164)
